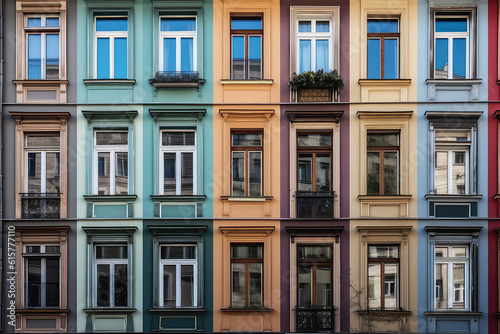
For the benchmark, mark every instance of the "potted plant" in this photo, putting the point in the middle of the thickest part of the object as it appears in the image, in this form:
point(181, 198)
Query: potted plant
point(316, 86)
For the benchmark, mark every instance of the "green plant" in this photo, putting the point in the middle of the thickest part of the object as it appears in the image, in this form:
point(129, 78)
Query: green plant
point(319, 78)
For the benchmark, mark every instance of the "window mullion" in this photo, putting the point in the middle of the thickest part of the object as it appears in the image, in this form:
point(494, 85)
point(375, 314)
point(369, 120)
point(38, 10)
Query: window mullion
point(178, 53)
point(450, 171)
point(313, 54)
point(43, 50)
point(450, 57)
point(112, 284)
point(178, 282)
point(450, 285)
point(111, 57)
point(43, 290)
point(43, 172)
point(178, 172)
point(112, 172)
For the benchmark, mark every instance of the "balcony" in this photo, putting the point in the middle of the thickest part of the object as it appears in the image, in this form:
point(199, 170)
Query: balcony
point(314, 204)
point(176, 79)
point(40, 205)
point(314, 319)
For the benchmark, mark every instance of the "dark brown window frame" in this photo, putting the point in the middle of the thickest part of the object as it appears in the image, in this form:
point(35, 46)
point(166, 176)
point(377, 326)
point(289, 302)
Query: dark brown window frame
point(315, 150)
point(382, 36)
point(246, 34)
point(247, 272)
point(382, 262)
point(247, 149)
point(382, 149)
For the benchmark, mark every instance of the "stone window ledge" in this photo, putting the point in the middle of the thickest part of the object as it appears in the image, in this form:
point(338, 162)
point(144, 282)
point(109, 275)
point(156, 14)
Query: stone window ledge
point(116, 310)
point(384, 82)
point(97, 82)
point(454, 198)
point(246, 198)
point(246, 82)
point(177, 309)
point(247, 309)
point(110, 198)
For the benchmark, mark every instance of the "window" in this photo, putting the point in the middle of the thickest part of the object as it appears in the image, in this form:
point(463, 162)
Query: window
point(382, 163)
point(177, 162)
point(451, 170)
point(452, 43)
point(383, 48)
point(314, 38)
point(111, 275)
point(246, 275)
point(246, 155)
point(42, 163)
point(110, 40)
point(383, 277)
point(246, 47)
point(42, 275)
point(178, 51)
point(111, 162)
point(451, 268)
point(314, 276)
point(43, 51)
point(178, 276)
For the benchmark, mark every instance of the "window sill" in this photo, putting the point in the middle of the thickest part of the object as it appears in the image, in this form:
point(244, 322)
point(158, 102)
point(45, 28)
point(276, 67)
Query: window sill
point(177, 309)
point(247, 309)
point(110, 310)
point(385, 313)
point(452, 313)
point(110, 198)
point(41, 81)
point(246, 82)
point(246, 198)
point(97, 82)
point(178, 198)
point(384, 82)
point(385, 198)
point(454, 198)
point(453, 82)
point(41, 310)
point(453, 85)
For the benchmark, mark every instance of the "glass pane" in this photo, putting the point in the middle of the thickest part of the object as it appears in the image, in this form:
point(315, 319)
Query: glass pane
point(382, 26)
point(103, 285)
point(169, 54)
point(120, 58)
point(383, 251)
point(51, 249)
point(441, 59)
point(121, 171)
point(304, 26)
point(373, 58)
point(314, 140)
point(111, 138)
point(238, 177)
point(34, 282)
point(391, 173)
point(238, 284)
point(373, 173)
point(187, 55)
point(111, 252)
point(34, 172)
point(304, 55)
point(34, 56)
point(186, 173)
point(314, 252)
point(451, 24)
point(460, 251)
point(52, 22)
point(390, 58)
point(441, 173)
point(32, 249)
point(441, 286)
point(52, 56)
point(187, 285)
point(246, 252)
point(459, 58)
point(322, 26)
point(246, 23)
point(52, 282)
point(121, 285)
point(374, 285)
point(255, 284)
point(382, 139)
point(44, 140)
point(178, 252)
point(34, 22)
point(169, 182)
point(458, 173)
point(178, 24)
point(452, 136)
point(238, 57)
point(459, 285)
point(304, 172)
point(255, 173)
point(53, 177)
point(103, 168)
point(111, 24)
point(323, 287)
point(169, 280)
point(177, 138)
point(254, 57)
point(304, 293)
point(391, 283)
point(441, 251)
point(322, 50)
point(323, 172)
point(247, 139)
point(103, 58)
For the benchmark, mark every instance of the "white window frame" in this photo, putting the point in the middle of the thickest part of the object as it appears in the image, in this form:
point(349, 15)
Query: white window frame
point(111, 263)
point(178, 150)
point(178, 35)
point(112, 150)
point(450, 36)
point(178, 263)
point(43, 31)
point(43, 163)
point(111, 35)
point(314, 36)
point(450, 260)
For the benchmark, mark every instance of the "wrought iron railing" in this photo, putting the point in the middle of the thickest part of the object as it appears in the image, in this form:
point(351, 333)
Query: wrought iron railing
point(171, 77)
point(314, 319)
point(314, 204)
point(41, 205)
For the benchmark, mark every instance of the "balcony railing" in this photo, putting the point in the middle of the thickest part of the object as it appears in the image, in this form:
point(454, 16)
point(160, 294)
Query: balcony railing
point(314, 204)
point(176, 79)
point(314, 319)
point(41, 205)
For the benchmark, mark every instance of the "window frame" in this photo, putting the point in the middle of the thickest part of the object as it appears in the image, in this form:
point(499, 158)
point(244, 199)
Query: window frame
point(246, 34)
point(471, 39)
point(247, 261)
point(382, 36)
point(382, 262)
point(382, 150)
point(178, 35)
point(314, 150)
point(247, 150)
point(43, 162)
